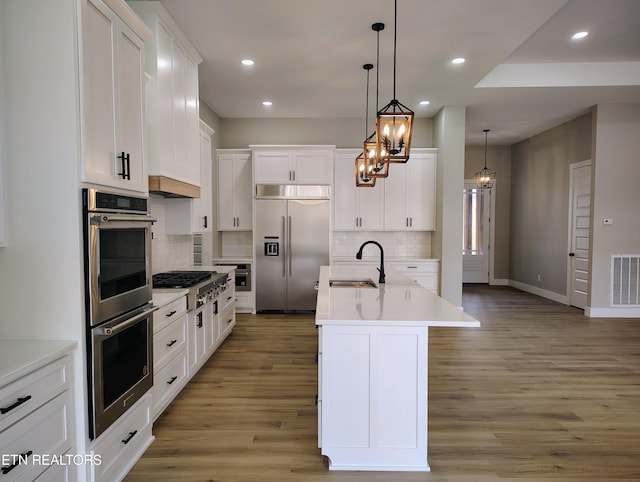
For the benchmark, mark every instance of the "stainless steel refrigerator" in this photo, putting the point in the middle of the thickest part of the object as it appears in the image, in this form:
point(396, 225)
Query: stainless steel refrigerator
point(291, 243)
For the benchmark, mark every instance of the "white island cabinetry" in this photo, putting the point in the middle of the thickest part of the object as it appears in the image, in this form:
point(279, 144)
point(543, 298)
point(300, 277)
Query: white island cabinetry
point(36, 409)
point(373, 369)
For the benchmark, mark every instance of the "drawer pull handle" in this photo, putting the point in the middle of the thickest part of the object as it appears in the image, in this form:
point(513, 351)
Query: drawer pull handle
point(171, 313)
point(173, 379)
point(131, 435)
point(21, 458)
point(229, 298)
point(229, 320)
point(412, 267)
point(17, 404)
point(172, 342)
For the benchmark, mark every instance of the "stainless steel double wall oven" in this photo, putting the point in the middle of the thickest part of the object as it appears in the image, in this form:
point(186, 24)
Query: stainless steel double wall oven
point(119, 307)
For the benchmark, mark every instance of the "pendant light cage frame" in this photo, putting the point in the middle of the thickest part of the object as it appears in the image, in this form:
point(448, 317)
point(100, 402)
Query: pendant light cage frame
point(485, 178)
point(394, 122)
point(363, 167)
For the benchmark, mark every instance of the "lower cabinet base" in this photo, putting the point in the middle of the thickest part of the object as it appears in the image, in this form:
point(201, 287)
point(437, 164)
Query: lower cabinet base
point(122, 444)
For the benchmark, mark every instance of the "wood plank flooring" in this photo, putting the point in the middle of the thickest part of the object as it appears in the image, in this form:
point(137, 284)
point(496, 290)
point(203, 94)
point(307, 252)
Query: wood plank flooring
point(538, 393)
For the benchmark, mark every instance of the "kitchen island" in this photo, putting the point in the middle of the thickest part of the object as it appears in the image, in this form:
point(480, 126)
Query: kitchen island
point(373, 367)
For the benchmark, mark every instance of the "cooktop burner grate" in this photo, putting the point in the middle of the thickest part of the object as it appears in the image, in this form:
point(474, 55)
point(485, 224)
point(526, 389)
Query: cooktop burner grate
point(180, 279)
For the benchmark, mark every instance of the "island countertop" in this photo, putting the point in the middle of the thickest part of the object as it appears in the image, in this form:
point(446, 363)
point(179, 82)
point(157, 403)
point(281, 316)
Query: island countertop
point(400, 301)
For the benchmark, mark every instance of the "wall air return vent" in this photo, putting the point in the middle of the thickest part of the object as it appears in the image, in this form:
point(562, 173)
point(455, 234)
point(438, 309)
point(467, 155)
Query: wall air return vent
point(625, 280)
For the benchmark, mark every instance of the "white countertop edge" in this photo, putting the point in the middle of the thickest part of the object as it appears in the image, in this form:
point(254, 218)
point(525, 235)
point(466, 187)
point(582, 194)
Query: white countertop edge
point(20, 357)
point(398, 323)
point(217, 261)
point(164, 296)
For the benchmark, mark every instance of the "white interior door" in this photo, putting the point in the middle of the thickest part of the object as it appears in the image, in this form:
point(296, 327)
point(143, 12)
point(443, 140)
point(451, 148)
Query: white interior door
point(475, 245)
point(580, 222)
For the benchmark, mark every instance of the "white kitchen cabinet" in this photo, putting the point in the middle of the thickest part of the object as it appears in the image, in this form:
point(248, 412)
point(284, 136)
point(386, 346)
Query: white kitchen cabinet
point(172, 102)
point(123, 443)
point(355, 208)
point(293, 164)
point(3, 232)
point(422, 271)
point(191, 216)
point(112, 102)
point(235, 210)
point(410, 194)
point(199, 326)
point(36, 407)
point(169, 353)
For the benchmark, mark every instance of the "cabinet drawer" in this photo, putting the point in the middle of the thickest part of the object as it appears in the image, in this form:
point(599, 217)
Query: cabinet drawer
point(166, 314)
point(168, 382)
point(45, 432)
point(243, 300)
point(58, 473)
point(169, 341)
point(227, 320)
point(29, 392)
point(123, 443)
point(227, 297)
point(415, 267)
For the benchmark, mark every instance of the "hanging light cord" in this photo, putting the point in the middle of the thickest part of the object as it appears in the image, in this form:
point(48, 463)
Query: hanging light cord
point(366, 110)
point(485, 147)
point(395, 39)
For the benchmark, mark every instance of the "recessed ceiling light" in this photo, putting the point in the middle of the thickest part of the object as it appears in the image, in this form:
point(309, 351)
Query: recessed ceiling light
point(424, 102)
point(579, 35)
point(459, 60)
point(248, 62)
point(267, 103)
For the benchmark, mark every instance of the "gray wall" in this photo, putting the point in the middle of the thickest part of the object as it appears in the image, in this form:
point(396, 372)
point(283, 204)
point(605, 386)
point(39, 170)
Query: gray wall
point(615, 194)
point(540, 203)
point(343, 133)
point(498, 159)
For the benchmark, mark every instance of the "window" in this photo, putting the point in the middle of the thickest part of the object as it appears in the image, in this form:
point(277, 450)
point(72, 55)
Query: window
point(473, 212)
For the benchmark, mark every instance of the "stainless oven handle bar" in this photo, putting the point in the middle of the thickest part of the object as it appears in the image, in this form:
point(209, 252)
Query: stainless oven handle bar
point(106, 218)
point(114, 330)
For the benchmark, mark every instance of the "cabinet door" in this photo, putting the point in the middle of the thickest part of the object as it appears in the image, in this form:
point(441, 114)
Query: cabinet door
point(243, 192)
point(130, 112)
point(226, 193)
point(112, 100)
point(273, 167)
point(421, 192)
point(192, 123)
point(312, 167)
point(345, 217)
point(395, 198)
point(203, 206)
point(370, 207)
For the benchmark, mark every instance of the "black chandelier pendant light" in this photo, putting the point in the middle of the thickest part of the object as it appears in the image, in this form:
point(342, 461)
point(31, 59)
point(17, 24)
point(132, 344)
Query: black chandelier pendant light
point(379, 167)
point(394, 122)
point(362, 166)
point(485, 177)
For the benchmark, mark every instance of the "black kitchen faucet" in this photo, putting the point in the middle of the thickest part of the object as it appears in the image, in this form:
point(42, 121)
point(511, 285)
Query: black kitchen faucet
point(381, 268)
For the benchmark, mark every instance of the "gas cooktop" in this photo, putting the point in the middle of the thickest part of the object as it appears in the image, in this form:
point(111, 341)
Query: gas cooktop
point(180, 279)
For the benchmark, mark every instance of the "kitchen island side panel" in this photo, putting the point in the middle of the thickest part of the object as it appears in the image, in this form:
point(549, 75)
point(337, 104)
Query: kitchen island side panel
point(374, 397)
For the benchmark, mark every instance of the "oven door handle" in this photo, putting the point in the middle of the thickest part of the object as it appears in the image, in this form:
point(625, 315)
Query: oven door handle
point(106, 218)
point(114, 330)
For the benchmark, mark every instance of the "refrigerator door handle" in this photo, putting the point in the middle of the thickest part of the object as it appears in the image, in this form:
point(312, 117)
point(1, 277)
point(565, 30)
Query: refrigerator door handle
point(284, 245)
point(289, 249)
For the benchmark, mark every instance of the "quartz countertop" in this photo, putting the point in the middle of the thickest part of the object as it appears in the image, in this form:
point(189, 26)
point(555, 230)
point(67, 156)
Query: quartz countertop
point(376, 258)
point(19, 357)
point(399, 301)
point(164, 296)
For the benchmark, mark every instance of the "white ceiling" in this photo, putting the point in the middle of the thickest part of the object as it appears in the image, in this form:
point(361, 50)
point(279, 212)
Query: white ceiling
point(523, 74)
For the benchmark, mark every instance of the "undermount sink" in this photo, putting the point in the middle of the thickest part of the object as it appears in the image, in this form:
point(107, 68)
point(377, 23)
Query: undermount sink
point(352, 283)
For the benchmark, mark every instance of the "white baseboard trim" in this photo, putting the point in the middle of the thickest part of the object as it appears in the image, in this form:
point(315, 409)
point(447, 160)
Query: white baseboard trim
point(612, 312)
point(564, 299)
point(499, 282)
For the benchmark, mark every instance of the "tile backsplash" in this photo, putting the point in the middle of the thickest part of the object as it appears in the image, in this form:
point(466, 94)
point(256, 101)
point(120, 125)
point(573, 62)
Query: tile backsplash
point(237, 244)
point(400, 244)
point(168, 252)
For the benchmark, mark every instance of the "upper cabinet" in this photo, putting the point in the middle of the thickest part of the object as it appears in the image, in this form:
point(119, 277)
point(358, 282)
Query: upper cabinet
point(235, 210)
point(188, 216)
point(113, 95)
point(293, 164)
point(355, 208)
point(410, 194)
point(172, 104)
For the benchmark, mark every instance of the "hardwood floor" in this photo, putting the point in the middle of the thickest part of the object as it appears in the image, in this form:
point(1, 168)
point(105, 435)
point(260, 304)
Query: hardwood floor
point(538, 393)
